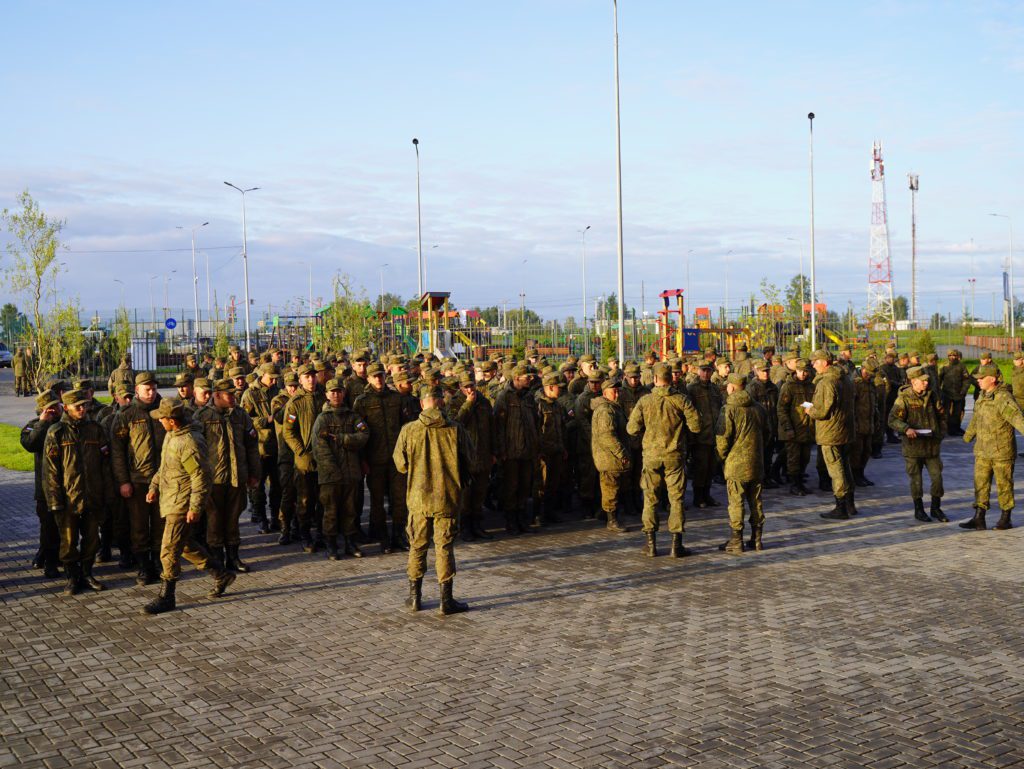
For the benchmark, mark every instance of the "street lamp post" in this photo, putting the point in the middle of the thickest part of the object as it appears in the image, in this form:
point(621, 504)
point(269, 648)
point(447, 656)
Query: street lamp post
point(725, 315)
point(814, 322)
point(618, 186)
point(420, 276)
point(586, 337)
point(382, 286)
point(195, 282)
point(118, 280)
point(1013, 304)
point(152, 302)
point(245, 259)
point(800, 244)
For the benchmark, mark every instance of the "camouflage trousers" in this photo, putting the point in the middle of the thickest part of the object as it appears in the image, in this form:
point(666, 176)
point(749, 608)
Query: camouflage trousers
point(914, 466)
point(471, 505)
point(611, 486)
point(339, 503)
point(955, 415)
point(49, 536)
point(179, 541)
point(423, 528)
point(286, 472)
point(586, 474)
point(984, 471)
point(860, 452)
point(516, 485)
point(385, 480)
point(226, 503)
point(797, 457)
point(741, 492)
point(837, 464)
point(550, 476)
point(702, 464)
point(79, 536)
point(147, 527)
point(268, 473)
point(670, 476)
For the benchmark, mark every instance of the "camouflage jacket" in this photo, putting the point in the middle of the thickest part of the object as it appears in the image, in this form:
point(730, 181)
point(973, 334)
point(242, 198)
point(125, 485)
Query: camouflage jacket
point(1018, 385)
point(284, 453)
point(256, 402)
point(954, 381)
point(583, 413)
point(742, 363)
point(707, 399)
point(609, 441)
point(832, 408)
point(996, 416)
point(865, 407)
point(123, 374)
point(740, 438)
point(382, 411)
point(920, 412)
point(551, 424)
point(33, 437)
point(183, 480)
point(477, 417)
point(76, 471)
point(767, 394)
point(232, 446)
point(300, 412)
point(662, 420)
point(515, 424)
point(794, 424)
point(435, 453)
point(135, 443)
point(339, 435)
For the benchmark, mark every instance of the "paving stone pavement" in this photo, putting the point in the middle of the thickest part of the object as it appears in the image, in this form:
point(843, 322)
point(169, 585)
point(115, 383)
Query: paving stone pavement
point(878, 642)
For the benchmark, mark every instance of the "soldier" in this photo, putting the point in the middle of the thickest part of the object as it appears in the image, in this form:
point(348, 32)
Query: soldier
point(181, 488)
point(629, 394)
point(996, 416)
point(256, 403)
point(19, 364)
point(780, 373)
point(954, 382)
point(832, 411)
point(586, 474)
point(1017, 380)
point(123, 374)
point(381, 409)
point(33, 438)
point(865, 422)
point(356, 384)
point(740, 440)
point(76, 475)
point(217, 372)
point(845, 362)
point(551, 448)
point(477, 416)
point(515, 430)
point(917, 418)
point(661, 420)
point(742, 363)
point(587, 365)
point(285, 458)
point(796, 429)
point(339, 435)
point(135, 442)
point(191, 367)
point(610, 449)
point(237, 360)
point(300, 412)
point(434, 453)
point(647, 369)
point(184, 383)
point(932, 368)
point(763, 391)
point(706, 397)
point(233, 450)
point(238, 378)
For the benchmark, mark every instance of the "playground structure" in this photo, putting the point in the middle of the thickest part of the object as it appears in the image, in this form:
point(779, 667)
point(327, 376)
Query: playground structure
point(449, 333)
point(675, 339)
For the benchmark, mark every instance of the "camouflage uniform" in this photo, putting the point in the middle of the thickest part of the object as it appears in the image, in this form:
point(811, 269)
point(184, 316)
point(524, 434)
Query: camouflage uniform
point(586, 473)
point(920, 412)
point(954, 382)
point(256, 402)
point(796, 428)
point(832, 411)
point(300, 412)
point(610, 450)
point(382, 411)
point(996, 416)
point(285, 465)
point(707, 399)
point(515, 428)
point(33, 438)
point(740, 440)
point(551, 450)
point(866, 415)
point(339, 435)
point(477, 417)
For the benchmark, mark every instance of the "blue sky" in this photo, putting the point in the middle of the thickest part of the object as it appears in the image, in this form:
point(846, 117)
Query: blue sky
point(126, 118)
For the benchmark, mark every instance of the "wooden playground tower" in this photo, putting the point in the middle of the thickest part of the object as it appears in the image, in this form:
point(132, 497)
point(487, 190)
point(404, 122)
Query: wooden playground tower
point(669, 337)
point(434, 334)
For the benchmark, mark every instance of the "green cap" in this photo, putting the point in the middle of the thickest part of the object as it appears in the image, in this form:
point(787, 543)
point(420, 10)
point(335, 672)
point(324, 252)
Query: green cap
point(989, 369)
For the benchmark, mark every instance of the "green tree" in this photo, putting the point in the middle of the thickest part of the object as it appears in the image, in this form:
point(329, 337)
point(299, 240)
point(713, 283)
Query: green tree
point(345, 320)
point(924, 343)
point(900, 308)
point(611, 307)
point(14, 323)
point(797, 294)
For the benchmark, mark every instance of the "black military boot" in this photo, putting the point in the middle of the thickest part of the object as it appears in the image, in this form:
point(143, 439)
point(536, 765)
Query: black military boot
point(797, 490)
point(936, 510)
point(332, 549)
point(837, 513)
point(415, 599)
point(754, 543)
point(700, 498)
point(234, 562)
point(51, 565)
point(678, 550)
point(398, 541)
point(589, 508)
point(614, 525)
point(307, 538)
point(735, 544)
point(152, 568)
point(37, 559)
point(286, 532)
point(538, 513)
point(71, 585)
point(466, 527)
point(1004, 521)
point(770, 482)
point(142, 575)
point(448, 604)
point(977, 522)
point(850, 500)
point(510, 527)
point(222, 579)
point(163, 602)
point(351, 548)
point(87, 580)
point(919, 512)
point(651, 550)
point(127, 560)
point(105, 555)
point(824, 483)
point(479, 530)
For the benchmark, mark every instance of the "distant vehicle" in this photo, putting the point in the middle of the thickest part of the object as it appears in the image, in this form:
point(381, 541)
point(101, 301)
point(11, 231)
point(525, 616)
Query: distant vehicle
point(5, 356)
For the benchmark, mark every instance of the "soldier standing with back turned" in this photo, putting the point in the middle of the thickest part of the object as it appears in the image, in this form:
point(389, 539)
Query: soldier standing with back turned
point(917, 418)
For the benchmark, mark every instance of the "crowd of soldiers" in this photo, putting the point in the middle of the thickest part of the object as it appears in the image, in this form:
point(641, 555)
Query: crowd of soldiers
point(303, 438)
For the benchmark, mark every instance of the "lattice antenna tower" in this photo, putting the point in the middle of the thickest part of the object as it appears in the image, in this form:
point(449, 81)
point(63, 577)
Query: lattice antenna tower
point(880, 300)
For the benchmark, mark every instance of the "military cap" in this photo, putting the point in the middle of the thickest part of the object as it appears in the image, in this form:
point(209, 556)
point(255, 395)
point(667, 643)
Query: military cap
point(234, 348)
point(268, 369)
point(802, 364)
point(848, 348)
point(547, 370)
point(319, 366)
point(169, 408)
point(868, 367)
point(932, 358)
point(632, 369)
point(183, 380)
point(988, 369)
point(202, 383)
point(401, 377)
point(190, 357)
point(739, 380)
point(75, 397)
point(710, 351)
point(304, 369)
point(985, 355)
point(251, 377)
point(707, 366)
point(552, 378)
point(291, 379)
point(430, 391)
point(821, 355)
point(273, 351)
point(334, 384)
point(724, 361)
point(220, 360)
point(760, 365)
point(82, 384)
point(567, 367)
point(769, 348)
point(122, 389)
point(374, 369)
point(904, 356)
point(46, 399)
point(661, 370)
point(612, 359)
point(126, 358)
point(595, 376)
point(488, 365)
point(917, 372)
point(223, 386)
point(398, 360)
point(588, 359)
point(522, 370)
point(742, 346)
point(676, 365)
point(235, 372)
point(145, 377)
point(913, 354)
point(610, 383)
point(430, 375)
point(363, 356)
point(466, 379)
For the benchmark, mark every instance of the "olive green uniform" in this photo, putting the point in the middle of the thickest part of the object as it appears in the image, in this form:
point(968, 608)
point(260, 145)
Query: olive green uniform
point(610, 450)
point(19, 364)
point(256, 402)
point(996, 416)
point(954, 382)
point(300, 412)
point(866, 415)
point(382, 411)
point(796, 428)
point(707, 399)
point(920, 412)
point(477, 417)
point(339, 435)
point(33, 439)
point(285, 465)
point(136, 441)
point(233, 451)
point(832, 411)
point(552, 451)
point(740, 440)
point(515, 428)
point(586, 473)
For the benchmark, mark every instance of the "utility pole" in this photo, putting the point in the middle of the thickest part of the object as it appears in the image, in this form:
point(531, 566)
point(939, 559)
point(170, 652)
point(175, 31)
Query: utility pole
point(814, 320)
point(913, 246)
point(618, 188)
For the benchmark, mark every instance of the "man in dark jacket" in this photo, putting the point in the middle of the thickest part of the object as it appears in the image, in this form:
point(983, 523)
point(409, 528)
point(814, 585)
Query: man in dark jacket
point(832, 411)
point(917, 418)
point(33, 437)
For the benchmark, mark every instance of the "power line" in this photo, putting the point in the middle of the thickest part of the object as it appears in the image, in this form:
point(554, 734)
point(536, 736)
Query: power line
point(150, 250)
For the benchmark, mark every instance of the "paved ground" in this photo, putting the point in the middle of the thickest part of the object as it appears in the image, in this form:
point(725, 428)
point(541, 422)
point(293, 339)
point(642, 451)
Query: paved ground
point(879, 642)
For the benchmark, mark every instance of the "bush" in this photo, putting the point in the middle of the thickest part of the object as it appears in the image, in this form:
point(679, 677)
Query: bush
point(924, 343)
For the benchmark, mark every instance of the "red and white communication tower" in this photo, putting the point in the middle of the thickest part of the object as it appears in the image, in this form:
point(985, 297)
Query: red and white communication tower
point(880, 304)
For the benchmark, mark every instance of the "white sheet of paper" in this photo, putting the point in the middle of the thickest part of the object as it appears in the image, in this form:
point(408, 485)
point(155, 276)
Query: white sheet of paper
point(922, 432)
point(806, 405)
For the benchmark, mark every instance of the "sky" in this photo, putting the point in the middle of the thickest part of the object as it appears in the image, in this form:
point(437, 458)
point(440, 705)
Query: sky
point(126, 118)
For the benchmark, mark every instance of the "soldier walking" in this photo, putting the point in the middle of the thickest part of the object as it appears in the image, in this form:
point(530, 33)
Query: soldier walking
point(796, 428)
point(610, 449)
point(832, 411)
point(740, 440)
point(954, 382)
point(917, 418)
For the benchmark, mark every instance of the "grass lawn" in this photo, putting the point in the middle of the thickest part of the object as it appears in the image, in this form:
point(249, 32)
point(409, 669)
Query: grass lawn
point(12, 455)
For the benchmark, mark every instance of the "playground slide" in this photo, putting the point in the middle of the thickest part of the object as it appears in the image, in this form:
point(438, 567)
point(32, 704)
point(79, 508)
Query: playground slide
point(410, 344)
point(836, 340)
point(470, 344)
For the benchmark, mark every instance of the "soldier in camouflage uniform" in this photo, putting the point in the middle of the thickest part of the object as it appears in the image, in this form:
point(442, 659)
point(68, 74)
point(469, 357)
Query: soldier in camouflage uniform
point(706, 397)
point(796, 428)
point(300, 412)
point(832, 411)
point(33, 438)
point(256, 402)
point(1017, 379)
point(285, 459)
point(586, 474)
point(610, 449)
point(181, 488)
point(587, 366)
point(476, 415)
point(763, 391)
point(894, 381)
point(551, 448)
point(917, 418)
point(954, 382)
point(742, 362)
point(123, 374)
point(996, 416)
point(866, 415)
point(629, 394)
point(515, 428)
point(435, 454)
point(661, 420)
point(740, 440)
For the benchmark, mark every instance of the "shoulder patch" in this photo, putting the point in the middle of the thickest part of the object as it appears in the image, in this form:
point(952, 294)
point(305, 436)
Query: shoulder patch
point(190, 464)
point(361, 426)
point(291, 417)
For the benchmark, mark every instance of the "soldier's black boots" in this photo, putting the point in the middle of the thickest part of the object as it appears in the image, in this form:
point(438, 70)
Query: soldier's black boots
point(307, 540)
point(709, 500)
point(977, 522)
point(735, 544)
point(286, 535)
point(412, 603)
point(839, 512)
point(614, 525)
point(126, 561)
point(480, 531)
point(398, 542)
point(233, 562)
point(147, 573)
point(919, 512)
point(754, 543)
point(163, 602)
point(860, 479)
point(222, 579)
point(448, 604)
point(105, 555)
point(1004, 521)
point(351, 548)
point(332, 549)
point(824, 483)
point(87, 580)
point(651, 549)
point(936, 510)
point(677, 550)
point(71, 575)
point(152, 568)
point(37, 559)
point(797, 490)
point(51, 565)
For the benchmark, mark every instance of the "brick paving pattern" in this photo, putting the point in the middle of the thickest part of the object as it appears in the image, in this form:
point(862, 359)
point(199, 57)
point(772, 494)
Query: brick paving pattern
point(878, 642)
